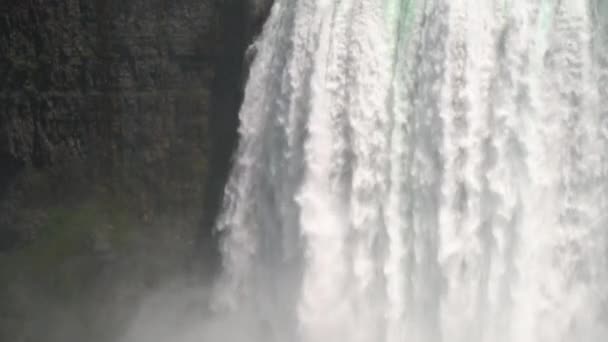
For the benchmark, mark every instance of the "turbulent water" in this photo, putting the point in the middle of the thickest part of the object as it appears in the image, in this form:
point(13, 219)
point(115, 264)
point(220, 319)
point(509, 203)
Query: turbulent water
point(423, 171)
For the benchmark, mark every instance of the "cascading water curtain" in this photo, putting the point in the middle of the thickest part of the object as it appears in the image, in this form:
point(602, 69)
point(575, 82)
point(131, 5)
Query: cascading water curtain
point(423, 171)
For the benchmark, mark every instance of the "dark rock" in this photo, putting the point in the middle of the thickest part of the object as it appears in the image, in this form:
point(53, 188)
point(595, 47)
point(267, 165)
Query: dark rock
point(118, 120)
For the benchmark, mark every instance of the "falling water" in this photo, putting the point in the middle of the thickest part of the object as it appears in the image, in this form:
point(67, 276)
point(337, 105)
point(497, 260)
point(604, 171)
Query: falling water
point(423, 171)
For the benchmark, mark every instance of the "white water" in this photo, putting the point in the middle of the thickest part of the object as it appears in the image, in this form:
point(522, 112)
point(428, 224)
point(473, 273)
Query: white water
point(423, 171)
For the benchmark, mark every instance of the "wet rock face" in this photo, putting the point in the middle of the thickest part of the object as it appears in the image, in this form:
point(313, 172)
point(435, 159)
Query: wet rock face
point(141, 95)
point(144, 92)
point(118, 119)
point(123, 85)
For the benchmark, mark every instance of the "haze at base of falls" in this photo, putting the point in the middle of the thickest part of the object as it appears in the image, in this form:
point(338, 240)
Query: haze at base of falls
point(423, 171)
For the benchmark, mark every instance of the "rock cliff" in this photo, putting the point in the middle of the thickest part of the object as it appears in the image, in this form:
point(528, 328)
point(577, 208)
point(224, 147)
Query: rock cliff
point(117, 122)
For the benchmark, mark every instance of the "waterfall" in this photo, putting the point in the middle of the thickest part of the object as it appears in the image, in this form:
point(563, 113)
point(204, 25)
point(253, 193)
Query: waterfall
point(424, 171)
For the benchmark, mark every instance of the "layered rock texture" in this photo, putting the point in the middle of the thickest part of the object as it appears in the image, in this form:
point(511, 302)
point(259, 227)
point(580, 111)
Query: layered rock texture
point(117, 122)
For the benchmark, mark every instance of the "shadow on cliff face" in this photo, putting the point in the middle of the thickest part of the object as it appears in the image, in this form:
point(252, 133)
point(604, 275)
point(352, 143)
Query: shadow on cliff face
point(11, 166)
point(243, 22)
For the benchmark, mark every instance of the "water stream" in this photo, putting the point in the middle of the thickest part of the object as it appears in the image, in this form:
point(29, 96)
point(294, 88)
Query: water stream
point(423, 171)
